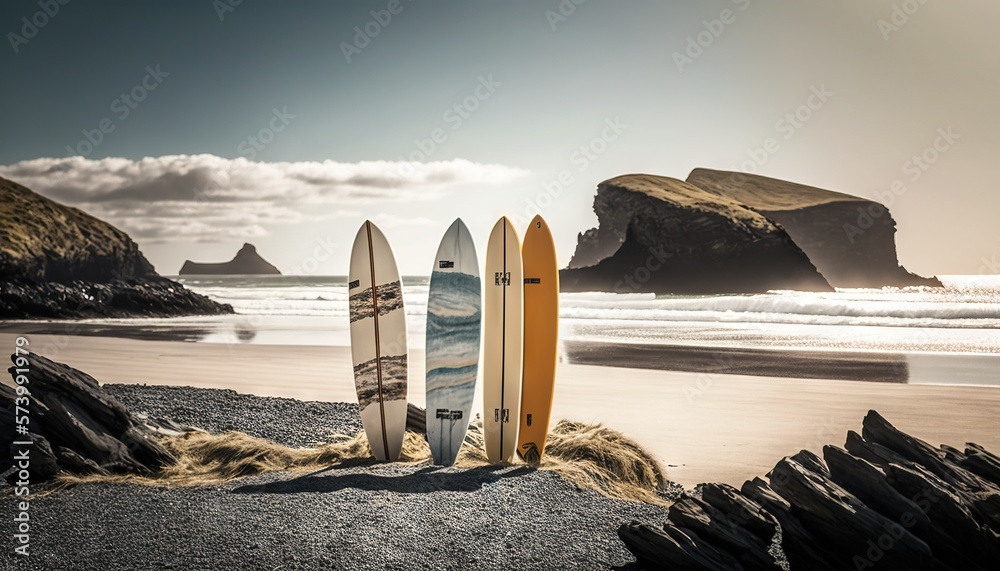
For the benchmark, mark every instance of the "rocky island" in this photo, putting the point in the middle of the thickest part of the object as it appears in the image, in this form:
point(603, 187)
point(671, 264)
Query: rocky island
point(246, 262)
point(660, 234)
point(723, 232)
point(852, 240)
point(60, 262)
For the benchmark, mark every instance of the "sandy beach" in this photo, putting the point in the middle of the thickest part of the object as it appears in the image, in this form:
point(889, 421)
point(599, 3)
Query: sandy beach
point(702, 427)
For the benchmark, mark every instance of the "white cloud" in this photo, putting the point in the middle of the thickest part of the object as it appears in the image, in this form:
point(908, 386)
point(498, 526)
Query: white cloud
point(210, 198)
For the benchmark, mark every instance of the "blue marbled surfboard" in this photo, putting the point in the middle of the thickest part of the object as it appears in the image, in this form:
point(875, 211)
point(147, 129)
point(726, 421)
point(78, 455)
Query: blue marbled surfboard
point(454, 326)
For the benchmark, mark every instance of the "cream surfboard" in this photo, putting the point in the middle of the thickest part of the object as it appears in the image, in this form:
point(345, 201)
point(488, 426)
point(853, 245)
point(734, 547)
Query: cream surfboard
point(454, 323)
point(502, 334)
point(541, 338)
point(378, 341)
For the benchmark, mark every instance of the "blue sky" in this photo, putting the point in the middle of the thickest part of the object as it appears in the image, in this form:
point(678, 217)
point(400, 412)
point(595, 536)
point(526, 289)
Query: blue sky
point(303, 142)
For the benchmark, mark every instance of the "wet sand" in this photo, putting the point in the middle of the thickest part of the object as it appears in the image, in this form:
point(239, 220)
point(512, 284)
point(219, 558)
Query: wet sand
point(804, 364)
point(702, 426)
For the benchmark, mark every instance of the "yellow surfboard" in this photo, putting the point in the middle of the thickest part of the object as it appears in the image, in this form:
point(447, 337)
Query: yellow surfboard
point(541, 338)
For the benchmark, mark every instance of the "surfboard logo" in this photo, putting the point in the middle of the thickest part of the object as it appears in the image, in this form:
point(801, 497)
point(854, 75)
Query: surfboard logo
point(529, 452)
point(444, 264)
point(501, 278)
point(448, 414)
point(354, 284)
point(532, 280)
point(501, 415)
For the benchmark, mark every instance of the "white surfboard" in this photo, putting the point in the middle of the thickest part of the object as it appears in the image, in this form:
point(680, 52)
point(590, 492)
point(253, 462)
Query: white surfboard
point(454, 319)
point(502, 334)
point(378, 341)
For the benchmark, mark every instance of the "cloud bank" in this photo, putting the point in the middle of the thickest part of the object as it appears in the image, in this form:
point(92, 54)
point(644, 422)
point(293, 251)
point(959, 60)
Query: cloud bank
point(210, 198)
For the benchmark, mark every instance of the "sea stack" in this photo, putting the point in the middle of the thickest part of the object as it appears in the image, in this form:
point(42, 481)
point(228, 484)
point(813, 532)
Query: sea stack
point(851, 240)
point(246, 262)
point(728, 232)
point(663, 235)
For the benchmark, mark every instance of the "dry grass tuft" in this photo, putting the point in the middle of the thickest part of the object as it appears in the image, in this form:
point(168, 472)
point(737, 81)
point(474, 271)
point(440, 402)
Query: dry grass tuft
point(588, 456)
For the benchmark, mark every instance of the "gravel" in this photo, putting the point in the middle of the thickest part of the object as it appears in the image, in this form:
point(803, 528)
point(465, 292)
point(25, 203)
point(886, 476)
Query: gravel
point(286, 421)
point(387, 516)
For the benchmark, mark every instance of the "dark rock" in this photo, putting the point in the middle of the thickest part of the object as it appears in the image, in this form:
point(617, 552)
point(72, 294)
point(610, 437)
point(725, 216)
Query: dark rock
point(846, 525)
point(811, 462)
point(90, 430)
point(246, 262)
point(416, 419)
point(878, 430)
point(869, 484)
point(42, 463)
point(890, 501)
point(715, 528)
point(803, 549)
point(149, 296)
point(872, 452)
point(740, 510)
point(662, 235)
point(850, 239)
point(981, 462)
point(952, 454)
point(77, 464)
point(60, 262)
point(675, 549)
point(950, 514)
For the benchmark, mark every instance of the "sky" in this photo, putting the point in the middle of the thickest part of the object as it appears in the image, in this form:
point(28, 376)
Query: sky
point(196, 126)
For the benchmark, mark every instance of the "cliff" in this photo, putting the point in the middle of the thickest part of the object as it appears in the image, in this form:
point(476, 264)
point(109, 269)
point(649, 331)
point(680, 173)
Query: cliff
point(850, 239)
point(60, 262)
point(246, 262)
point(663, 235)
point(42, 240)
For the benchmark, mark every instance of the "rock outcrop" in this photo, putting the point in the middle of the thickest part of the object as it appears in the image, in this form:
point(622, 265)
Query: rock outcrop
point(663, 235)
point(74, 426)
point(726, 232)
point(77, 427)
point(246, 262)
point(44, 241)
point(60, 262)
point(887, 501)
point(150, 296)
point(851, 240)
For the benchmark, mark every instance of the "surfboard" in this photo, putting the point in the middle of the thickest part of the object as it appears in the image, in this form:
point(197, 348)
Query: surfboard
point(454, 325)
point(378, 341)
point(502, 342)
point(541, 338)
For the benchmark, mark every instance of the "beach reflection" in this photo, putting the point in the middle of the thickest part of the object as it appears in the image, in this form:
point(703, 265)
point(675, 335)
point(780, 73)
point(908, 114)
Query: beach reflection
point(806, 364)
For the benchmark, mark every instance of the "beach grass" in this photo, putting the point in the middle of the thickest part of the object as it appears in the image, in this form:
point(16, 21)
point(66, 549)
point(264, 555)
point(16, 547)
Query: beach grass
point(589, 456)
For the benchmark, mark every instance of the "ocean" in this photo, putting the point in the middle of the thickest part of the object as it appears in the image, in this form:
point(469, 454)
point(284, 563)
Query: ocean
point(949, 334)
point(962, 317)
